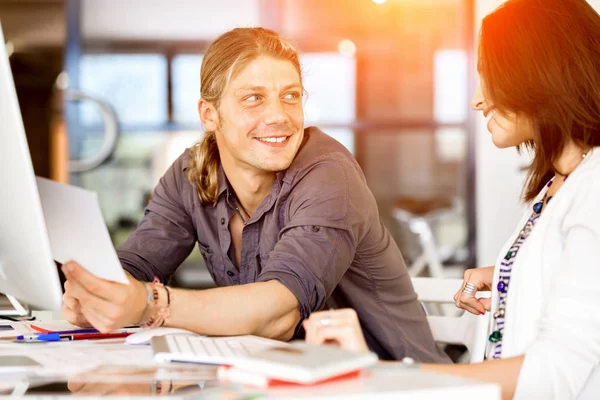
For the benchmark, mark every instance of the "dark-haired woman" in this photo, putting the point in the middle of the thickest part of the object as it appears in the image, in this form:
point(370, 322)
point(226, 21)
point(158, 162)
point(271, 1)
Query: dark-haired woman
point(539, 63)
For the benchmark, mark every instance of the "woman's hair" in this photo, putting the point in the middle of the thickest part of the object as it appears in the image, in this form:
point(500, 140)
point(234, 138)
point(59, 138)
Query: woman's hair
point(541, 59)
point(225, 58)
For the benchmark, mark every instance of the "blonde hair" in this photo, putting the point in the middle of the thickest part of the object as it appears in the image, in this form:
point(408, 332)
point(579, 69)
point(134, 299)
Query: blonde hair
point(224, 59)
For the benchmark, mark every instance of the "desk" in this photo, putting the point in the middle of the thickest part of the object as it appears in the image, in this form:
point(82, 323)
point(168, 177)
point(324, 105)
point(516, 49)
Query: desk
point(379, 382)
point(132, 372)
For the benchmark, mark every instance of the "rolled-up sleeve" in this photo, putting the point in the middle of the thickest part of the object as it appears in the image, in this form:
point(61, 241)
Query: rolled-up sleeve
point(567, 348)
point(316, 247)
point(165, 236)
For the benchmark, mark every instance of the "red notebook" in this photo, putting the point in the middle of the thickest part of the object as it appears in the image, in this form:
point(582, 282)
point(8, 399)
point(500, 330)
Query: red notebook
point(237, 375)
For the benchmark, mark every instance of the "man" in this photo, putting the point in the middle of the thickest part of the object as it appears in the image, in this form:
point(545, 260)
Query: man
point(282, 216)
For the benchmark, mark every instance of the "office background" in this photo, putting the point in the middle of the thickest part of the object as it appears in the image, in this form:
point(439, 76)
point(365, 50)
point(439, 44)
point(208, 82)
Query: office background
point(391, 80)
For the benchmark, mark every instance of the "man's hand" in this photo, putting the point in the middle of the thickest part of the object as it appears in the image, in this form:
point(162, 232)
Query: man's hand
point(71, 309)
point(105, 305)
point(339, 327)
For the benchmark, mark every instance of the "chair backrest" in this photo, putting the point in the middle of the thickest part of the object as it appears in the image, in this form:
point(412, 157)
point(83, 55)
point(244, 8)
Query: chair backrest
point(467, 329)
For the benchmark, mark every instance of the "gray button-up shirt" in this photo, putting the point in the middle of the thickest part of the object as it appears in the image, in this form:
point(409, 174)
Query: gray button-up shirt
point(317, 232)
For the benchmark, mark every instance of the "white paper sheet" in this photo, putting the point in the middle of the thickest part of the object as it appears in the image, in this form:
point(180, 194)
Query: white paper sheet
point(19, 328)
point(77, 230)
point(56, 325)
point(53, 325)
point(67, 358)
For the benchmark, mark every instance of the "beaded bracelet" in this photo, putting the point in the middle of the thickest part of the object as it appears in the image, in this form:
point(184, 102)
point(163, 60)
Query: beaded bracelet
point(154, 314)
point(156, 387)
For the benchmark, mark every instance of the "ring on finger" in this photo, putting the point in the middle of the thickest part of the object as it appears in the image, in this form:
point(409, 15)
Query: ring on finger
point(325, 321)
point(470, 289)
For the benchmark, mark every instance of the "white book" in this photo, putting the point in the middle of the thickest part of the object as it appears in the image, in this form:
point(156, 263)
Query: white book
point(295, 362)
point(303, 363)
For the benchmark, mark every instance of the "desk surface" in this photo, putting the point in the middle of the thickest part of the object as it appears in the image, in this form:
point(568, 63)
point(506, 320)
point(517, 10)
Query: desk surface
point(379, 382)
point(111, 367)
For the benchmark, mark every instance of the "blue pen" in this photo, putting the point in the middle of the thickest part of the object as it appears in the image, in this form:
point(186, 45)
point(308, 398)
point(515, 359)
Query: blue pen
point(45, 337)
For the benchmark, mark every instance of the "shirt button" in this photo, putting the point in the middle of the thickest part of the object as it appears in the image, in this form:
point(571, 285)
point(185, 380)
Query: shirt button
point(222, 221)
point(230, 273)
point(316, 228)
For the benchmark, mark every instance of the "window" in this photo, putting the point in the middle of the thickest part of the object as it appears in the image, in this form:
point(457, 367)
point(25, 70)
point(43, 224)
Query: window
point(133, 84)
point(186, 87)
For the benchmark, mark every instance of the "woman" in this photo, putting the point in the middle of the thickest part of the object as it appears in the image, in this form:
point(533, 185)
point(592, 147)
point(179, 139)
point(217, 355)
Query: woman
point(539, 63)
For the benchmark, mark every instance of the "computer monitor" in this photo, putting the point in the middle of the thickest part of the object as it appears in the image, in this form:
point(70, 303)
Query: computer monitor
point(27, 269)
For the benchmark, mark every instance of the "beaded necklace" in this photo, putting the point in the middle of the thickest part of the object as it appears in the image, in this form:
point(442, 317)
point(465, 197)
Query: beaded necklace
point(506, 268)
point(505, 271)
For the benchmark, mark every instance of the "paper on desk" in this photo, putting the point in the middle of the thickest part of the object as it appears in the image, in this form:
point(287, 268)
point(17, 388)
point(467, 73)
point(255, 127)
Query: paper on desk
point(53, 325)
point(19, 328)
point(77, 230)
point(56, 325)
point(67, 358)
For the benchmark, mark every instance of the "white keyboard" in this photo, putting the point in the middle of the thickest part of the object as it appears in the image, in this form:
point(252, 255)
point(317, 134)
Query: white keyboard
point(207, 350)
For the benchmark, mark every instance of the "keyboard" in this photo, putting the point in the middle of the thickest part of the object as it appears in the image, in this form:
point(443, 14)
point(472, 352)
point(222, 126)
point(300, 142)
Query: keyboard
point(208, 350)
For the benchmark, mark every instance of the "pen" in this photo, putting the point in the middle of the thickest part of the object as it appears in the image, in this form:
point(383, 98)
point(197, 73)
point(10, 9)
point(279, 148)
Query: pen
point(96, 336)
point(71, 332)
point(74, 331)
point(55, 337)
point(44, 337)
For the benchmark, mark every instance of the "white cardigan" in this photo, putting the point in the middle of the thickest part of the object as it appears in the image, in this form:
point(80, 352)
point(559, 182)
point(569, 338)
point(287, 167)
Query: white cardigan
point(553, 304)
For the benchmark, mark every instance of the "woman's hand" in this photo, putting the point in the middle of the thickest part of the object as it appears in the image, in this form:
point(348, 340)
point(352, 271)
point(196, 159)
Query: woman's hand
point(103, 304)
point(340, 327)
point(481, 279)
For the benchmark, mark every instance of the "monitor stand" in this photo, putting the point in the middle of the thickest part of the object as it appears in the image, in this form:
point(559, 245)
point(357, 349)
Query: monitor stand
point(19, 308)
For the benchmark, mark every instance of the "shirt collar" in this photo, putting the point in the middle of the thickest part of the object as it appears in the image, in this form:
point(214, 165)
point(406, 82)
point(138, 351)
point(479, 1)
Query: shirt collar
point(224, 183)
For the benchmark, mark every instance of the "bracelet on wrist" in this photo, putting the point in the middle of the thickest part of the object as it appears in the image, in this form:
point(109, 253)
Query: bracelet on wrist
point(157, 311)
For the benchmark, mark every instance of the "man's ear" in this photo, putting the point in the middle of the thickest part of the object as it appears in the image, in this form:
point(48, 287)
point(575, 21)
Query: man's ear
point(208, 115)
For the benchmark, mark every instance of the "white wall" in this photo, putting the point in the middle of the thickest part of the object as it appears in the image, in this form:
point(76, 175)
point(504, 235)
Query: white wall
point(499, 181)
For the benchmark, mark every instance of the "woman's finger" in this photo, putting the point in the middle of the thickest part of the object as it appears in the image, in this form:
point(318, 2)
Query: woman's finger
point(471, 304)
point(486, 303)
point(457, 298)
point(470, 300)
point(471, 309)
point(474, 277)
point(480, 277)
